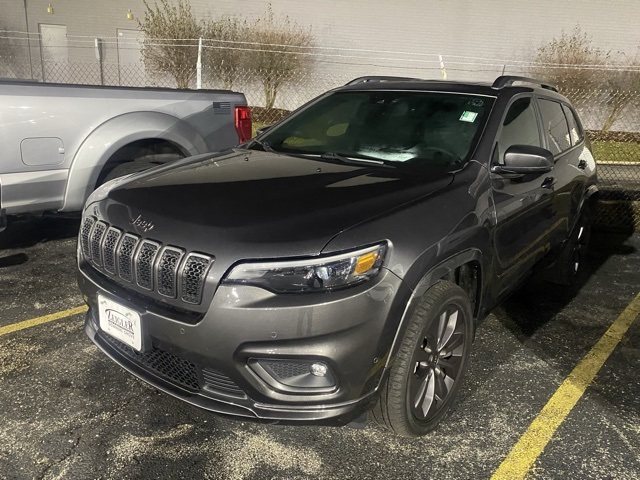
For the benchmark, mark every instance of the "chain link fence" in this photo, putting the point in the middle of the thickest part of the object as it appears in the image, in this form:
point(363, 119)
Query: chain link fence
point(611, 118)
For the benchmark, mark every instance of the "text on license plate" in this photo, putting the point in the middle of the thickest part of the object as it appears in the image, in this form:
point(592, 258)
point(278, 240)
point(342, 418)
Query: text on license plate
point(120, 322)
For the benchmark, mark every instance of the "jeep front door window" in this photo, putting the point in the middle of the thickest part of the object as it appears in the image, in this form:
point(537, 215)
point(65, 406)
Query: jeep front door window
point(519, 127)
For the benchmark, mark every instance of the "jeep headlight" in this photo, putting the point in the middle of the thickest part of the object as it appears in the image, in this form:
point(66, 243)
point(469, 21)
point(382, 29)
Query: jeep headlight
point(312, 275)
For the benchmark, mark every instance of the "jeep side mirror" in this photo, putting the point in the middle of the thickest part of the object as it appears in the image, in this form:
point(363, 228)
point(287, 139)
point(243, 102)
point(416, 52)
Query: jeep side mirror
point(524, 159)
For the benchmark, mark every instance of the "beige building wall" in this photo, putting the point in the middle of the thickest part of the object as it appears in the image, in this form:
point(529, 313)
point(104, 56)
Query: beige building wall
point(85, 21)
point(478, 40)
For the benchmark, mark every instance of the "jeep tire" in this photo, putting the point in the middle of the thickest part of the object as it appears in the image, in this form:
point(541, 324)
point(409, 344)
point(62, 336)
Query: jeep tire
point(570, 263)
point(431, 361)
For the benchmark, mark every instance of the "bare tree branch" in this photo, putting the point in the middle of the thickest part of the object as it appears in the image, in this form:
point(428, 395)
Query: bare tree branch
point(574, 64)
point(275, 67)
point(178, 56)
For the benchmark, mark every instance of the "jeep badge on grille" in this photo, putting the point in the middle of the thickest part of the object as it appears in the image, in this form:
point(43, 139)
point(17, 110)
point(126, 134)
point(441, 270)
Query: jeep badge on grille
point(142, 224)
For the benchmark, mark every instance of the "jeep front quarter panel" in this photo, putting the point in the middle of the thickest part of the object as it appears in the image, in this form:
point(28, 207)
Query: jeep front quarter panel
point(218, 362)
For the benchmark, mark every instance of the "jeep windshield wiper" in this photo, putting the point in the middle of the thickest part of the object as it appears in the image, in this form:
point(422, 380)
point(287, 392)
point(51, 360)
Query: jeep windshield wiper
point(265, 146)
point(355, 160)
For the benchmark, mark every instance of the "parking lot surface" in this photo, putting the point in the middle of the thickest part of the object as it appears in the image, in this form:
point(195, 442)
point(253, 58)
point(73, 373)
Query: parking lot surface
point(68, 412)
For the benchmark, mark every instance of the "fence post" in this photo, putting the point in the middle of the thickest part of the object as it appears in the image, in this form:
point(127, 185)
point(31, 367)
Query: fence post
point(98, 47)
point(199, 65)
point(442, 69)
point(26, 22)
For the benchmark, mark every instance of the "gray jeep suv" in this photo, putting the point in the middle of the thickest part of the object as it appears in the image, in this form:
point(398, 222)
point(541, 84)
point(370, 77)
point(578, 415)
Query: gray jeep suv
point(340, 261)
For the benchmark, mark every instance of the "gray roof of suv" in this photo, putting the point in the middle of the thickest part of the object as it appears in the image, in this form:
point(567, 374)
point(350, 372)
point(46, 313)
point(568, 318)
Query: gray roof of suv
point(477, 88)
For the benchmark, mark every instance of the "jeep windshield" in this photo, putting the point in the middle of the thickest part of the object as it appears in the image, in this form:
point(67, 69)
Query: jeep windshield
point(430, 129)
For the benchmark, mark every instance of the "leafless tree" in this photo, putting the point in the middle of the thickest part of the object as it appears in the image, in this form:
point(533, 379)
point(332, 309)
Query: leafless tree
point(273, 51)
point(278, 54)
point(225, 52)
point(12, 62)
point(170, 45)
point(589, 75)
point(571, 62)
point(622, 89)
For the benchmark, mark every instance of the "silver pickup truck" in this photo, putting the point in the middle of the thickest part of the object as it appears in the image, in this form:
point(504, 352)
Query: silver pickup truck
point(59, 142)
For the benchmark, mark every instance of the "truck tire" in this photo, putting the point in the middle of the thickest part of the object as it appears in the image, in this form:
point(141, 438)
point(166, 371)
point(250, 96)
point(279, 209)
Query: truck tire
point(139, 164)
point(430, 364)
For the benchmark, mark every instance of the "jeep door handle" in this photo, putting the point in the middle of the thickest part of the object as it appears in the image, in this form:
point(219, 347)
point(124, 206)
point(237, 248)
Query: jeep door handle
point(548, 182)
point(582, 164)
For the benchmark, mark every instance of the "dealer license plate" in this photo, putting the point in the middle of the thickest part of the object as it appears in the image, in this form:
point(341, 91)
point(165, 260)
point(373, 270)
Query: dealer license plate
point(120, 322)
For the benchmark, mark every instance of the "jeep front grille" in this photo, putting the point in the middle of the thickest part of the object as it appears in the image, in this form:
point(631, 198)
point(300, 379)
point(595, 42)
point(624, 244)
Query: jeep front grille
point(111, 240)
point(96, 240)
point(85, 231)
point(192, 273)
point(167, 267)
point(144, 263)
point(125, 256)
point(169, 270)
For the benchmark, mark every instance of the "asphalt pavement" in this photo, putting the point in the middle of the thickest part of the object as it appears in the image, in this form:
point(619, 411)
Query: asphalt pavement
point(68, 412)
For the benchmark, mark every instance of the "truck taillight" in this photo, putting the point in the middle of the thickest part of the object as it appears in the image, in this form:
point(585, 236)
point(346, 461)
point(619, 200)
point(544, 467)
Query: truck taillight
point(243, 123)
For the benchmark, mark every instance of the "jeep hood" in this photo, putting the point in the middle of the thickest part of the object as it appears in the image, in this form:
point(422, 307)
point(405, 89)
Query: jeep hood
point(258, 203)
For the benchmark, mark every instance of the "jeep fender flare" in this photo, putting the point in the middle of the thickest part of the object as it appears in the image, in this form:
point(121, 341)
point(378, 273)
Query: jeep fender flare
point(591, 191)
point(428, 279)
point(106, 139)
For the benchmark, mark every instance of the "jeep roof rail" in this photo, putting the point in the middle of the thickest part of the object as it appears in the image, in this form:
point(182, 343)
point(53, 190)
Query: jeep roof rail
point(508, 80)
point(381, 79)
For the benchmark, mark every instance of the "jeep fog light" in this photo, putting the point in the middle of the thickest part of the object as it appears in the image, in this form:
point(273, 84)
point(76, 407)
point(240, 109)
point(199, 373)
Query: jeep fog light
point(312, 275)
point(318, 369)
point(295, 375)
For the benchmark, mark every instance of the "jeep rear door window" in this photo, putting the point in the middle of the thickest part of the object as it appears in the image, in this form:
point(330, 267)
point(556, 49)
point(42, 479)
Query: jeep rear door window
point(555, 126)
point(421, 128)
point(519, 127)
point(574, 127)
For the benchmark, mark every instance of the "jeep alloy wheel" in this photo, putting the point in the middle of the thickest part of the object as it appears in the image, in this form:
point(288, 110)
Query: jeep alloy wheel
point(437, 364)
point(430, 363)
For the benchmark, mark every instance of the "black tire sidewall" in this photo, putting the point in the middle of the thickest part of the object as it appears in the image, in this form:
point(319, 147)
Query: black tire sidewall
point(565, 272)
point(439, 297)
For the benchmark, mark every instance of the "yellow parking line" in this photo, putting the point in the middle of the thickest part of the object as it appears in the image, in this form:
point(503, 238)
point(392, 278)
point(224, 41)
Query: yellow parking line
point(14, 327)
point(533, 442)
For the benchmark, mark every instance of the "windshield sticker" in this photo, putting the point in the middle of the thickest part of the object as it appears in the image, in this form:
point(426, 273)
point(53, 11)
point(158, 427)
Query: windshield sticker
point(476, 102)
point(468, 116)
